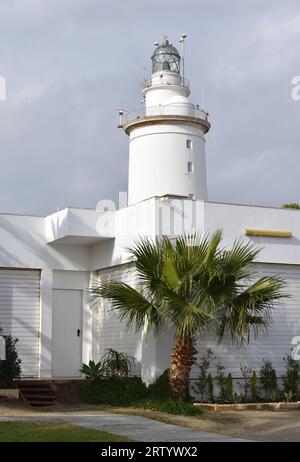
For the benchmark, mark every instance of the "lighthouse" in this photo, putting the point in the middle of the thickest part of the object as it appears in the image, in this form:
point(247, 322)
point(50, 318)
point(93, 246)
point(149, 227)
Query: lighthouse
point(166, 137)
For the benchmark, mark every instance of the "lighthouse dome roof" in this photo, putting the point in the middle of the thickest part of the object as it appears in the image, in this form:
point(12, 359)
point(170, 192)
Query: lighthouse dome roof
point(166, 58)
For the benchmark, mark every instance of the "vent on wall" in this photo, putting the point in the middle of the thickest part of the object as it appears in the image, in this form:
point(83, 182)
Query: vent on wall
point(267, 233)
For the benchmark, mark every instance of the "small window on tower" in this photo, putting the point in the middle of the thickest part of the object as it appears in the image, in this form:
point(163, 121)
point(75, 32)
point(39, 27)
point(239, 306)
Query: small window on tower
point(190, 167)
point(189, 144)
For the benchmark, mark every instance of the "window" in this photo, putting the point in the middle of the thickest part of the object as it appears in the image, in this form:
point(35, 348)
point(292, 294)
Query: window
point(189, 144)
point(190, 167)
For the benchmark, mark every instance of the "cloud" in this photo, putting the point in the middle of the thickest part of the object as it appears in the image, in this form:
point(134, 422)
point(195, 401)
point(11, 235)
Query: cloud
point(274, 41)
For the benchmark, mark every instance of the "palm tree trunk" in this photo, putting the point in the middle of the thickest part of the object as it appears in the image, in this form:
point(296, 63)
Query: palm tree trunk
point(183, 357)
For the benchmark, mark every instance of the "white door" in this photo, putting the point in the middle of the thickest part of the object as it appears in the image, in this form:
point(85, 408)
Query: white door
point(20, 314)
point(66, 333)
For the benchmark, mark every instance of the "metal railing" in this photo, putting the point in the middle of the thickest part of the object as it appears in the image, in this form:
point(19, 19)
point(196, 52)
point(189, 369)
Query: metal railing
point(189, 110)
point(181, 81)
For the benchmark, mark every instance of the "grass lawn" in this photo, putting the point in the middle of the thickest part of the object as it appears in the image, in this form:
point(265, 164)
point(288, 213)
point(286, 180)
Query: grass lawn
point(52, 432)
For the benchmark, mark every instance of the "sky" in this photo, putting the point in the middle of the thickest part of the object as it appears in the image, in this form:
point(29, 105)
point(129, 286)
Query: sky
point(68, 64)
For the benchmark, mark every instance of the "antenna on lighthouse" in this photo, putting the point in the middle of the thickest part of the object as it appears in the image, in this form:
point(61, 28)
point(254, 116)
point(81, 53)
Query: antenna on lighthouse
point(182, 38)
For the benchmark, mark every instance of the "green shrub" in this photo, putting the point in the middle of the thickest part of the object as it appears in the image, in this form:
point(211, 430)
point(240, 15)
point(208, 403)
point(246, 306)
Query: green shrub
point(10, 369)
point(237, 398)
point(292, 376)
point(170, 406)
point(245, 384)
point(201, 384)
point(131, 391)
point(112, 364)
point(229, 388)
point(117, 364)
point(254, 387)
point(113, 391)
point(221, 382)
point(274, 395)
point(160, 388)
point(293, 205)
point(92, 371)
point(210, 388)
point(268, 379)
point(124, 391)
point(288, 396)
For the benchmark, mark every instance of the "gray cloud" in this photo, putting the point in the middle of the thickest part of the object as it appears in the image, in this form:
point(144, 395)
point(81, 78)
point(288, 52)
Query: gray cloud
point(69, 63)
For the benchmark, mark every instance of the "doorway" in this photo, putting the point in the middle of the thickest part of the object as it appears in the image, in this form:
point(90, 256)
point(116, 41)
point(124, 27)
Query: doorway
point(66, 333)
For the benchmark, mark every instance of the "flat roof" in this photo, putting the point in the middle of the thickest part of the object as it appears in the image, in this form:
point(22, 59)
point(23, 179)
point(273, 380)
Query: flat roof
point(237, 204)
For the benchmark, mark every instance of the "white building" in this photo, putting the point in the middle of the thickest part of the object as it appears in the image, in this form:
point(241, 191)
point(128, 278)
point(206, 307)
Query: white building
point(47, 263)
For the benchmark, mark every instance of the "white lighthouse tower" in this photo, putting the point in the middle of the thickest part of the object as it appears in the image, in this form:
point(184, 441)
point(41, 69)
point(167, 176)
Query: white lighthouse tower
point(166, 138)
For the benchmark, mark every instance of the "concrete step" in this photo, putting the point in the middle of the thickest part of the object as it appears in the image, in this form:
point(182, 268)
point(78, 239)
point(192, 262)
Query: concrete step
point(37, 394)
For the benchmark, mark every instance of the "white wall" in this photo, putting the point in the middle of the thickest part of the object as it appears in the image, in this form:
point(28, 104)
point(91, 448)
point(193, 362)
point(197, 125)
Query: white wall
point(158, 159)
point(164, 90)
point(234, 219)
point(273, 344)
point(278, 256)
point(131, 223)
point(23, 245)
point(77, 226)
point(109, 331)
point(152, 353)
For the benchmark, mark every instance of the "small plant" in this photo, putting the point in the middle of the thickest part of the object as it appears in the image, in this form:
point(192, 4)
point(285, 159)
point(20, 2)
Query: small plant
point(254, 387)
point(237, 398)
point(268, 379)
point(292, 376)
point(293, 205)
point(116, 364)
point(93, 371)
point(288, 396)
point(229, 388)
point(274, 395)
point(202, 383)
point(210, 388)
point(221, 382)
point(10, 369)
point(245, 384)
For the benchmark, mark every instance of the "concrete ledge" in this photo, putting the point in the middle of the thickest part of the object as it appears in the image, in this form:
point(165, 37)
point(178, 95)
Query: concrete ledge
point(12, 393)
point(248, 406)
point(166, 119)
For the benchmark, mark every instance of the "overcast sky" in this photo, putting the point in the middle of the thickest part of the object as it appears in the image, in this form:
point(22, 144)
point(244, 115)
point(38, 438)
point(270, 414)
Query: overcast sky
point(69, 63)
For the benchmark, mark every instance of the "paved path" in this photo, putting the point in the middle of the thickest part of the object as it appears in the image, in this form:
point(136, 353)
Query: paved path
point(134, 427)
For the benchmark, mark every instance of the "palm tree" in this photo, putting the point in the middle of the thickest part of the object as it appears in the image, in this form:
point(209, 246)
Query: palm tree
point(191, 285)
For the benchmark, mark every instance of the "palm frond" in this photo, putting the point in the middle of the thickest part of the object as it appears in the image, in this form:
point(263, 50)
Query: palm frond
point(250, 309)
point(238, 259)
point(146, 255)
point(128, 304)
point(213, 246)
point(191, 283)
